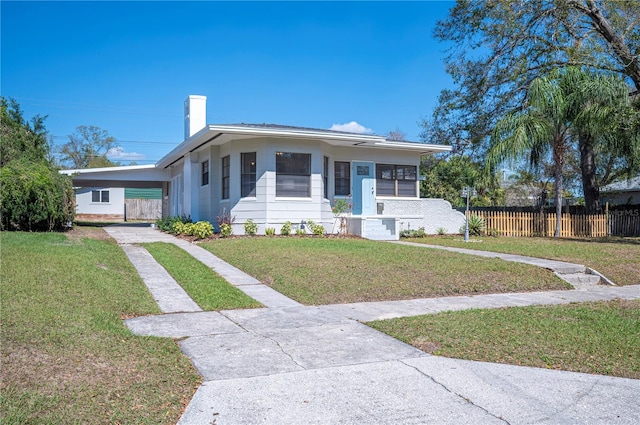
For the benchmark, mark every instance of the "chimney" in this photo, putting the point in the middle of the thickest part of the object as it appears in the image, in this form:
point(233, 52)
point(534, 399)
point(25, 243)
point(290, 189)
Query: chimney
point(195, 115)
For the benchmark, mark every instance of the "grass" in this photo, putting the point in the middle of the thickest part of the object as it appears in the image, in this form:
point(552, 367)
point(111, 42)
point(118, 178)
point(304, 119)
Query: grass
point(616, 258)
point(204, 286)
point(66, 355)
point(317, 271)
point(598, 337)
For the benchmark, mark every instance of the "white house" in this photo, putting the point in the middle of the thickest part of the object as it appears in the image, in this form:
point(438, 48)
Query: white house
point(622, 193)
point(273, 174)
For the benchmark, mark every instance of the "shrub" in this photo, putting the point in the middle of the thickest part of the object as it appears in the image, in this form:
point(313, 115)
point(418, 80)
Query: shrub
point(177, 228)
point(285, 230)
point(202, 229)
point(441, 231)
point(341, 206)
point(270, 231)
point(316, 229)
point(225, 230)
point(476, 225)
point(35, 197)
point(419, 233)
point(300, 232)
point(250, 228)
point(166, 224)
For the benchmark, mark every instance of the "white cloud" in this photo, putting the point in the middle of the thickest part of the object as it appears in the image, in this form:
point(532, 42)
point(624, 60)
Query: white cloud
point(118, 153)
point(351, 127)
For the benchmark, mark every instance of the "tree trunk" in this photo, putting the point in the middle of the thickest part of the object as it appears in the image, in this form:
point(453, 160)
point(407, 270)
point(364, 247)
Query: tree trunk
point(588, 168)
point(629, 61)
point(558, 159)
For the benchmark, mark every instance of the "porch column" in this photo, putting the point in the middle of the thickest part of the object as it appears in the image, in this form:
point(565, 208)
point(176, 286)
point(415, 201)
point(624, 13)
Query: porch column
point(190, 173)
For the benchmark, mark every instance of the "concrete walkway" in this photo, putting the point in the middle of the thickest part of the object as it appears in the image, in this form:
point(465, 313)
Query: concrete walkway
point(291, 364)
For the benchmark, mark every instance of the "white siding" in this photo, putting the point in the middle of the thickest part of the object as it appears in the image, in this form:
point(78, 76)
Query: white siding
point(84, 205)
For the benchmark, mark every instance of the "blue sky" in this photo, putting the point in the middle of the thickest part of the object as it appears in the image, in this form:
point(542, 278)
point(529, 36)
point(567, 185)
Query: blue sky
point(127, 67)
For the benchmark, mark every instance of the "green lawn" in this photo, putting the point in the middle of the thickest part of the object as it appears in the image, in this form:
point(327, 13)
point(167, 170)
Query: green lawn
point(337, 270)
point(204, 286)
point(66, 355)
point(616, 258)
point(598, 337)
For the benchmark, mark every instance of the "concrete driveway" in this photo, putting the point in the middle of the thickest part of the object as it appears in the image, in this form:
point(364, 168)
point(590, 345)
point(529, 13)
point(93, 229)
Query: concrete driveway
point(291, 364)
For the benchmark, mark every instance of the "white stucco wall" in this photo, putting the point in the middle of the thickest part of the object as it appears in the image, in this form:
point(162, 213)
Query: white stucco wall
point(428, 213)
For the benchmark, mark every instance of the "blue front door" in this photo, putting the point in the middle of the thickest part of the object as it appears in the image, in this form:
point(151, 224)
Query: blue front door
point(363, 190)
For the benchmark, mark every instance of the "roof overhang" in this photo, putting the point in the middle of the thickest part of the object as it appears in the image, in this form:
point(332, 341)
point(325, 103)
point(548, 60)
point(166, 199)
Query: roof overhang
point(215, 135)
point(132, 176)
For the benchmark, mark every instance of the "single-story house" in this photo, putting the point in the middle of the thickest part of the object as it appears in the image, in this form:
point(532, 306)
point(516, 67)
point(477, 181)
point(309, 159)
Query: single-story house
point(621, 193)
point(272, 174)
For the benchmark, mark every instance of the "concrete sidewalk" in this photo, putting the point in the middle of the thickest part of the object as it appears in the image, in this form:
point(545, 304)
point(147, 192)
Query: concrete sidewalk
point(290, 364)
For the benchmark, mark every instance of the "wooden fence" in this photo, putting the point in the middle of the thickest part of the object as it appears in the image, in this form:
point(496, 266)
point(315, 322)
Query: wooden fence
point(524, 224)
point(142, 209)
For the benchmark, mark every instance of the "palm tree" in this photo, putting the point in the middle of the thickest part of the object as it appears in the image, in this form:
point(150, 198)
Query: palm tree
point(543, 125)
point(600, 111)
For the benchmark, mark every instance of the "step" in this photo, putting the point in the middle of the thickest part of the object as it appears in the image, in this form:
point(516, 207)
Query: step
point(580, 280)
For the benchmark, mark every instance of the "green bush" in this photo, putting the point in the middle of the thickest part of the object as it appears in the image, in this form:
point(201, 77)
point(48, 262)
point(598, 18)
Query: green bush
point(316, 229)
point(250, 228)
point(35, 197)
point(202, 229)
point(270, 231)
point(441, 231)
point(300, 232)
point(225, 230)
point(166, 224)
point(419, 233)
point(178, 228)
point(476, 226)
point(285, 230)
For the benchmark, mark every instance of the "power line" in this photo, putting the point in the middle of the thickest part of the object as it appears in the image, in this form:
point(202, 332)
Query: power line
point(92, 107)
point(139, 142)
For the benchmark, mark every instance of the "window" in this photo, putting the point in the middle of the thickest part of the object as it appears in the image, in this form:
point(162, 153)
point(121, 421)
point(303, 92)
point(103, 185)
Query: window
point(248, 174)
point(342, 178)
point(205, 173)
point(100, 196)
point(396, 180)
point(325, 177)
point(293, 174)
point(225, 177)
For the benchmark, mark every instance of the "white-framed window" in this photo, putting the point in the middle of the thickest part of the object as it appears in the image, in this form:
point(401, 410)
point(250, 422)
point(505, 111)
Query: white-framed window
point(293, 174)
point(204, 173)
point(248, 174)
point(342, 178)
point(226, 162)
point(100, 196)
point(396, 180)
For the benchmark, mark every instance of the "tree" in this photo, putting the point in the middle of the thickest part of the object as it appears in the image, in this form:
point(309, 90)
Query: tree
point(543, 126)
point(33, 195)
point(396, 135)
point(500, 46)
point(604, 121)
point(21, 138)
point(88, 148)
point(445, 178)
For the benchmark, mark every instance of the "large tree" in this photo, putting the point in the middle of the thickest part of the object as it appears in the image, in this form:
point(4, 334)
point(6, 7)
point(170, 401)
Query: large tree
point(543, 127)
point(446, 177)
point(608, 142)
point(88, 147)
point(21, 138)
point(498, 47)
point(33, 195)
